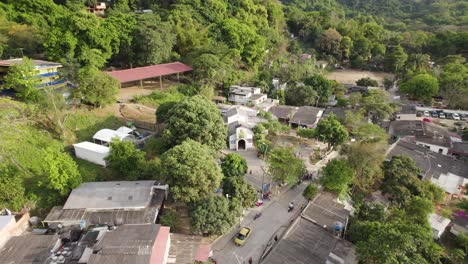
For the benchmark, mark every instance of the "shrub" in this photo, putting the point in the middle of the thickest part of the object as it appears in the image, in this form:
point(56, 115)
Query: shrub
point(310, 191)
point(169, 218)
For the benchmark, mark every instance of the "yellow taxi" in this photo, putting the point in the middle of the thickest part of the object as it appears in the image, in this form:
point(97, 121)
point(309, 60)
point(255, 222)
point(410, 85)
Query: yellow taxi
point(242, 236)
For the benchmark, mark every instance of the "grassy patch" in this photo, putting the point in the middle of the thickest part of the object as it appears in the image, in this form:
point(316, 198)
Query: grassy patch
point(85, 124)
point(156, 98)
point(91, 172)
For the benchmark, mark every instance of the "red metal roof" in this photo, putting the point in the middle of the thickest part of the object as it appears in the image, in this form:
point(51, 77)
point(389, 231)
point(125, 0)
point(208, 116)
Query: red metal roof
point(161, 246)
point(141, 73)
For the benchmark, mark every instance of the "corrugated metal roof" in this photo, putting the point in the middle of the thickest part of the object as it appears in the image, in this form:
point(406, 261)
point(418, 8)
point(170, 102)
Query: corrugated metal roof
point(110, 195)
point(141, 73)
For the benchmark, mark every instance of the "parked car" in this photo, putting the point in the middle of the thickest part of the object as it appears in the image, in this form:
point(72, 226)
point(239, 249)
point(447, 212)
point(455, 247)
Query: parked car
point(434, 114)
point(456, 116)
point(442, 116)
point(426, 113)
point(449, 115)
point(242, 236)
point(418, 113)
point(427, 120)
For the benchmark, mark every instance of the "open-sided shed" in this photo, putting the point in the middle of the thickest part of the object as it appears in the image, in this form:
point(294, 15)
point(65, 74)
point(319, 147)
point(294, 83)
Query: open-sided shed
point(149, 72)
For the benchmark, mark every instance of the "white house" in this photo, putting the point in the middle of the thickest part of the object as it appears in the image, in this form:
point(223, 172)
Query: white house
point(240, 137)
point(438, 224)
point(244, 95)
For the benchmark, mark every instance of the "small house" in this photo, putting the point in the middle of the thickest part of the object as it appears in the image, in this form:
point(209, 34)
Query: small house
point(438, 224)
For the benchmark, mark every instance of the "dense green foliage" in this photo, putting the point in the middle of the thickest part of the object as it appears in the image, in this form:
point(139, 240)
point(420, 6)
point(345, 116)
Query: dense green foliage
point(214, 215)
point(337, 176)
point(198, 119)
point(401, 181)
point(191, 171)
point(239, 188)
point(367, 82)
point(11, 189)
point(126, 160)
point(310, 191)
point(234, 165)
point(330, 130)
point(284, 166)
point(422, 87)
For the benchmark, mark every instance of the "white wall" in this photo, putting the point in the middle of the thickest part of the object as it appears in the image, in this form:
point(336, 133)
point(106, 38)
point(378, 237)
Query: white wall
point(434, 148)
point(91, 156)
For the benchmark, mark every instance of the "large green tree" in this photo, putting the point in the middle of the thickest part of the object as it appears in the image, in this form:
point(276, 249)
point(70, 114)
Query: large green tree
point(95, 87)
point(395, 59)
point(337, 176)
point(238, 187)
point(191, 171)
point(153, 40)
point(213, 215)
point(300, 95)
point(330, 130)
point(421, 86)
point(198, 119)
point(284, 166)
point(366, 160)
point(234, 165)
point(321, 85)
point(402, 183)
point(453, 82)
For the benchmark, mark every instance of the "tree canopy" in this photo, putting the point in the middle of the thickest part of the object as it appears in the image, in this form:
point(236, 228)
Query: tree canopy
point(191, 171)
point(213, 215)
point(337, 176)
point(198, 119)
point(234, 165)
point(284, 166)
point(422, 86)
point(330, 130)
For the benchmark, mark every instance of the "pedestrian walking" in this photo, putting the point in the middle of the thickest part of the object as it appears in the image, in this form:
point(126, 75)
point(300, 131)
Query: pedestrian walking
point(250, 260)
point(276, 238)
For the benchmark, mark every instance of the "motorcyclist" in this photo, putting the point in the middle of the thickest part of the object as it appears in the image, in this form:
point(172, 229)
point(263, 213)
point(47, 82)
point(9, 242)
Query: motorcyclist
point(291, 206)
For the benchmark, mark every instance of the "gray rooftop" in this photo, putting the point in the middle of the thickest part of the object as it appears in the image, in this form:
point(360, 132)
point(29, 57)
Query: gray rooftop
point(127, 244)
point(431, 164)
point(27, 249)
point(110, 195)
point(418, 128)
point(283, 111)
point(256, 96)
point(460, 147)
point(309, 243)
point(325, 211)
point(438, 141)
point(145, 215)
point(305, 115)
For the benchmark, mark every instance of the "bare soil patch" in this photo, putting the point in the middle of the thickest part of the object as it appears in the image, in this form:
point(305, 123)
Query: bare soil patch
point(350, 76)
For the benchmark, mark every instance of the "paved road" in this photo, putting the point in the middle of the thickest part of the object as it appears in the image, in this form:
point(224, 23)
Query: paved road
point(274, 220)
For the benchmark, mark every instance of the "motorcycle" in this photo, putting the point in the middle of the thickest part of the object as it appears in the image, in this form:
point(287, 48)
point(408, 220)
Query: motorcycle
point(257, 215)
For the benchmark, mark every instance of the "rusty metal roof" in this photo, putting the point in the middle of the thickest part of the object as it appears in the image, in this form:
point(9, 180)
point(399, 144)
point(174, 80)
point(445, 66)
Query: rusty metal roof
point(141, 73)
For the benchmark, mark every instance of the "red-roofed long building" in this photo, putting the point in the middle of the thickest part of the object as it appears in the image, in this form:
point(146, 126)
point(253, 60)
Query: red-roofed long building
point(149, 72)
